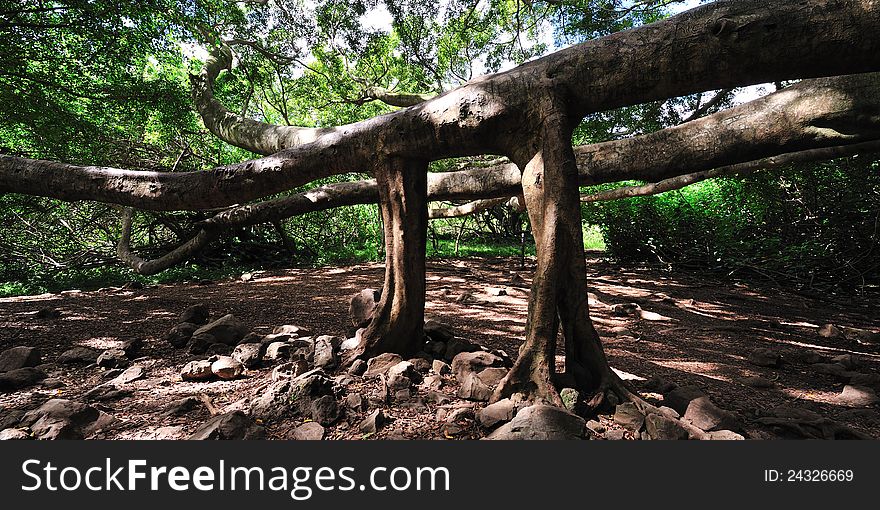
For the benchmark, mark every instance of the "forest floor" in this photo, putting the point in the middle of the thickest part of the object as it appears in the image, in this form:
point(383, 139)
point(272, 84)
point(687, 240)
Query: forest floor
point(694, 329)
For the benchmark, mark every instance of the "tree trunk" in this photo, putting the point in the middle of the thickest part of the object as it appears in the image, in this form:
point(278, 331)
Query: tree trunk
point(399, 318)
point(559, 293)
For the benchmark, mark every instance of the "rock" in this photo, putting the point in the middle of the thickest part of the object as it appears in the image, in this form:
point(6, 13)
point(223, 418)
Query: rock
point(435, 349)
point(324, 352)
point(132, 347)
point(64, 419)
point(373, 422)
point(381, 364)
point(848, 361)
point(401, 376)
point(432, 382)
point(358, 367)
point(52, 383)
point(196, 371)
point(199, 344)
point(808, 357)
point(626, 310)
point(440, 367)
point(681, 397)
point(291, 396)
point(292, 330)
point(857, 396)
point(830, 331)
point(225, 330)
point(659, 385)
point(105, 392)
point(304, 348)
point(492, 376)
point(541, 422)
point(196, 314)
point(869, 380)
point(218, 349)
point(355, 402)
point(724, 435)
point(362, 305)
point(758, 382)
point(10, 417)
point(181, 334)
point(229, 426)
point(13, 435)
point(130, 374)
point(596, 427)
point(661, 427)
point(20, 378)
point(494, 414)
point(614, 435)
point(438, 332)
point(78, 355)
point(19, 357)
point(421, 365)
point(349, 344)
point(496, 291)
point(113, 358)
point(310, 431)
point(466, 363)
point(763, 357)
point(290, 370)
point(246, 277)
point(325, 410)
point(182, 407)
point(628, 416)
point(227, 367)
point(456, 346)
point(279, 351)
point(472, 388)
point(248, 354)
point(705, 415)
point(836, 370)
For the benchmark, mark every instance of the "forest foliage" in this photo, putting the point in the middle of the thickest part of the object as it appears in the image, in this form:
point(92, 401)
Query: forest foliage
point(107, 83)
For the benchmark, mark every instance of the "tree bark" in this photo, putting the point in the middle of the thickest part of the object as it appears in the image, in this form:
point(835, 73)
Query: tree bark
point(398, 322)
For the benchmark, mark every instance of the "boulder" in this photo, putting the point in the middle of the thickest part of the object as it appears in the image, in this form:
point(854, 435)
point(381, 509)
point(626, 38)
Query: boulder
point(466, 363)
point(355, 402)
point(199, 344)
point(705, 415)
point(763, 357)
point(835, 370)
point(440, 367)
point(248, 354)
point(661, 427)
point(292, 330)
point(276, 351)
point(848, 361)
point(679, 398)
point(325, 410)
point(13, 435)
point(234, 425)
point(130, 374)
point(291, 397)
point(325, 352)
point(196, 371)
point(181, 334)
point(196, 314)
point(857, 396)
point(541, 422)
point(373, 422)
point(438, 331)
point(381, 364)
point(290, 370)
point(113, 358)
point(225, 330)
point(227, 367)
point(358, 367)
point(65, 419)
point(402, 376)
point(494, 414)
point(456, 346)
point(20, 378)
point(78, 355)
point(362, 305)
point(422, 365)
point(472, 388)
point(19, 357)
point(628, 416)
point(310, 431)
point(182, 406)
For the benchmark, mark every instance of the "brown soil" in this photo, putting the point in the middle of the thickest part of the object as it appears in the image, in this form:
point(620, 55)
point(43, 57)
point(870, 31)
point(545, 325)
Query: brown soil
point(699, 330)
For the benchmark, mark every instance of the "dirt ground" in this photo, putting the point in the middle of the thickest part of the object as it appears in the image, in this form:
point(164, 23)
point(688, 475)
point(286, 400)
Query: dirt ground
point(697, 330)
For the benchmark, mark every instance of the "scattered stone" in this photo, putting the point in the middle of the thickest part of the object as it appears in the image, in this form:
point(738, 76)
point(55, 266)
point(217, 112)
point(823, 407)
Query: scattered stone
point(725, 435)
point(401, 376)
point(246, 277)
point(227, 367)
point(381, 364)
point(52, 383)
point(432, 382)
point(113, 358)
point(292, 396)
point(218, 349)
point(10, 417)
point(541, 422)
point(65, 419)
point(196, 314)
point(292, 330)
point(248, 354)
point(758, 382)
point(472, 388)
point(438, 332)
point(130, 374)
point(78, 355)
point(440, 367)
point(492, 376)
point(614, 435)
point(229, 426)
point(763, 357)
point(626, 310)
point(705, 415)
point(421, 365)
point(324, 352)
point(830, 331)
point(279, 351)
point(325, 410)
point(622, 331)
point(350, 344)
point(182, 407)
point(358, 367)
point(661, 427)
point(494, 414)
point(467, 363)
point(13, 435)
point(199, 344)
point(225, 330)
point(105, 392)
point(628, 416)
point(679, 398)
point(20, 378)
point(355, 402)
point(310, 431)
point(848, 361)
point(435, 349)
point(807, 356)
point(362, 305)
point(596, 427)
point(373, 422)
point(196, 371)
point(857, 396)
point(456, 346)
point(19, 357)
point(181, 334)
